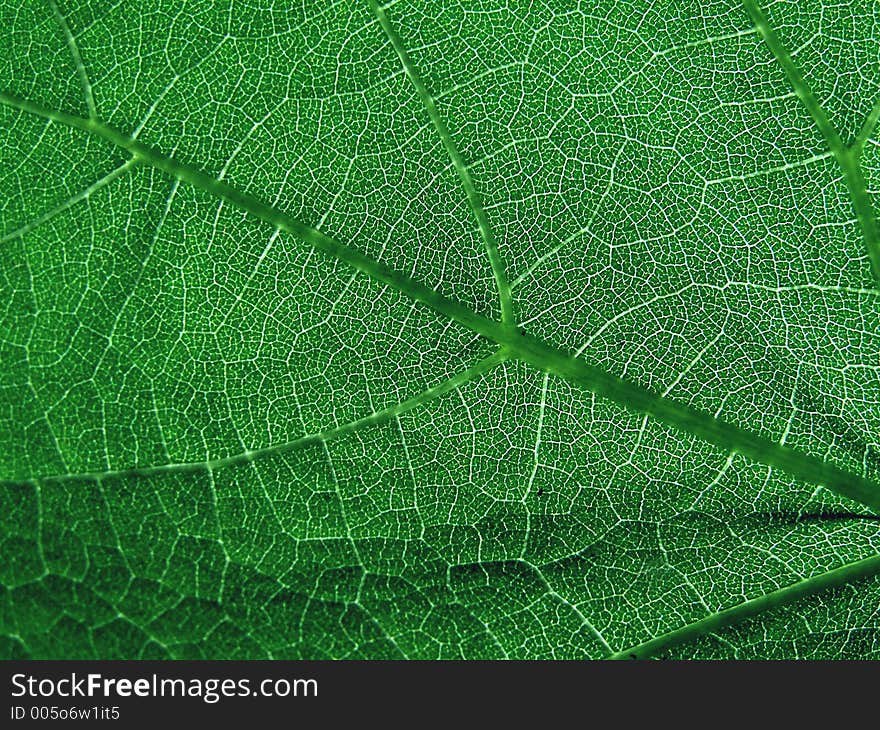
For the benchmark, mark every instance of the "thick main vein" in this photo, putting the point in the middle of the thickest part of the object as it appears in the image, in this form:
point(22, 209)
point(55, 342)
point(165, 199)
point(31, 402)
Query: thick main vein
point(847, 156)
point(848, 573)
point(513, 341)
point(458, 163)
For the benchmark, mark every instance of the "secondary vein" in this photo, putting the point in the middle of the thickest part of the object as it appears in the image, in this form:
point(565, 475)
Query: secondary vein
point(847, 156)
point(382, 416)
point(868, 128)
point(848, 573)
point(473, 197)
point(512, 340)
point(797, 81)
point(70, 202)
point(77, 60)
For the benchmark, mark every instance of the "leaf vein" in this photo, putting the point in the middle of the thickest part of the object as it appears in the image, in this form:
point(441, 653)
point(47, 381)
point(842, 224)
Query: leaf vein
point(847, 157)
point(77, 60)
point(513, 341)
point(856, 571)
point(250, 455)
point(458, 163)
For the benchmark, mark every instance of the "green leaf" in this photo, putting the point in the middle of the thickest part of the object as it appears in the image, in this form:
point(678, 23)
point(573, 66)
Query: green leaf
point(492, 330)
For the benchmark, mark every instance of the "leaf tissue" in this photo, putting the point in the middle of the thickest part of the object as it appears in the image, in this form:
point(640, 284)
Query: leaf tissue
point(439, 330)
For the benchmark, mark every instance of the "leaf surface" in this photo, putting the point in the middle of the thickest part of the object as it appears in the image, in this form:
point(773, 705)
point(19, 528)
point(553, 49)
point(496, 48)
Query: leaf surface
point(496, 330)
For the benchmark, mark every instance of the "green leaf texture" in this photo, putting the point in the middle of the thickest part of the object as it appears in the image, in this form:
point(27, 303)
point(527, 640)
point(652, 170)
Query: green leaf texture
point(473, 329)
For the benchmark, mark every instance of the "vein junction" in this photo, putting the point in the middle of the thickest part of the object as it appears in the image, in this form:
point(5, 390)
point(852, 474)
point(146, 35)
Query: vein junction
point(513, 342)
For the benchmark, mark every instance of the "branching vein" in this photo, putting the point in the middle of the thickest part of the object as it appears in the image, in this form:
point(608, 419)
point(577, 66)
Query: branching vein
point(70, 202)
point(458, 163)
point(513, 341)
point(846, 156)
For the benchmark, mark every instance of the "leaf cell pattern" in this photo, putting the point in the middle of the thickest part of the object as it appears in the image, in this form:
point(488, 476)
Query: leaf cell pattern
point(489, 330)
